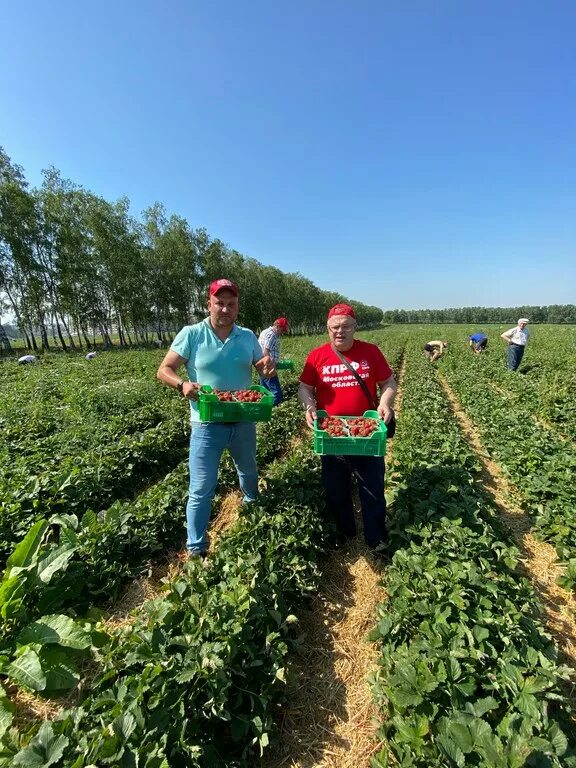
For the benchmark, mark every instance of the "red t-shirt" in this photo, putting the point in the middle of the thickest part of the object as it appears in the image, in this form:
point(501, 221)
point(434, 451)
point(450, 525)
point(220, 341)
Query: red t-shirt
point(337, 391)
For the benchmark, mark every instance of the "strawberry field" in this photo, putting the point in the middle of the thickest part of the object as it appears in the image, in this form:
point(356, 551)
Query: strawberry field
point(93, 483)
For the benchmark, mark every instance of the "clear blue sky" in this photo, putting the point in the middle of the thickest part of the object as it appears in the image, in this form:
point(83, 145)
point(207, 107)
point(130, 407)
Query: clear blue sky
point(416, 153)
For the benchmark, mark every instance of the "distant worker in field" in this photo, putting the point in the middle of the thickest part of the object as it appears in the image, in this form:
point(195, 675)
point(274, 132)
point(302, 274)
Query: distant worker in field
point(435, 349)
point(347, 377)
point(516, 338)
point(269, 340)
point(478, 342)
point(220, 353)
point(90, 355)
point(27, 359)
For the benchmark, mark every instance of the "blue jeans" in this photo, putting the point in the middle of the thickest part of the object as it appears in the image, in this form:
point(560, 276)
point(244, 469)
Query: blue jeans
point(273, 385)
point(515, 355)
point(337, 472)
point(207, 443)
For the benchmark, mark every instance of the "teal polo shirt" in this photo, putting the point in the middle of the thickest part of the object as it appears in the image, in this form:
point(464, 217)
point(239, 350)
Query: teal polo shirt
point(222, 364)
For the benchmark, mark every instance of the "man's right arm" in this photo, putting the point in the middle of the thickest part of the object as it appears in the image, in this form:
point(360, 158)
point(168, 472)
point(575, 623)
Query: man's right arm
point(507, 334)
point(168, 374)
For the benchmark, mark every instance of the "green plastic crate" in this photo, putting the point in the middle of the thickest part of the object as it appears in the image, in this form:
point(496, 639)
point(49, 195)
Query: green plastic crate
point(212, 409)
point(326, 445)
point(285, 365)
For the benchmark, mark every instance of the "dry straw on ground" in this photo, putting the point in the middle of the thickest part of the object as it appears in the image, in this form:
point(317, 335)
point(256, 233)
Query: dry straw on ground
point(329, 719)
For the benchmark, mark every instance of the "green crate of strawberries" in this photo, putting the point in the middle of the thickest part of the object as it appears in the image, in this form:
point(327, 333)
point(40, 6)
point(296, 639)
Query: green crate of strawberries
point(349, 435)
point(252, 404)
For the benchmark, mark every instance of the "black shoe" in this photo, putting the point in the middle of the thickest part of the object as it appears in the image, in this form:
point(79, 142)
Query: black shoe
point(341, 540)
point(380, 555)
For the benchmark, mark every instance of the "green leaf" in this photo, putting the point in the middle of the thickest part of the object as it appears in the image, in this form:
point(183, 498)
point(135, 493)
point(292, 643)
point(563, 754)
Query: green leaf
point(384, 627)
point(451, 750)
point(43, 751)
point(58, 629)
point(535, 684)
point(557, 739)
point(25, 552)
point(11, 591)
point(480, 633)
point(55, 560)
point(467, 688)
point(482, 706)
point(27, 670)
point(461, 736)
point(405, 698)
point(454, 668)
point(89, 520)
point(7, 709)
point(59, 667)
point(124, 725)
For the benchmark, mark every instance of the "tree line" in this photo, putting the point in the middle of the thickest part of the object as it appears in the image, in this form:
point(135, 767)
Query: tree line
point(77, 270)
point(554, 313)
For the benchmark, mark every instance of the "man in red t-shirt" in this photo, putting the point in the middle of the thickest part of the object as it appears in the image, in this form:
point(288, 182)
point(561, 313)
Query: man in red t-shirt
point(328, 384)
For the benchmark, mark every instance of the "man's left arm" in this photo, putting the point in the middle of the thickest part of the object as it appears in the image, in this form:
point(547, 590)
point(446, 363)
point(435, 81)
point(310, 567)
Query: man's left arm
point(388, 391)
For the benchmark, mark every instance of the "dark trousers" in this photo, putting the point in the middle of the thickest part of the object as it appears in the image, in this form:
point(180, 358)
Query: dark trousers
point(273, 385)
point(337, 472)
point(515, 354)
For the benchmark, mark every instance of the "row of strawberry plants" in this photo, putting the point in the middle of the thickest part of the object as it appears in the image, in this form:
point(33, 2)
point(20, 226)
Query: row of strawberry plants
point(95, 480)
point(468, 674)
point(66, 394)
point(68, 566)
point(196, 679)
point(551, 397)
point(539, 464)
point(545, 385)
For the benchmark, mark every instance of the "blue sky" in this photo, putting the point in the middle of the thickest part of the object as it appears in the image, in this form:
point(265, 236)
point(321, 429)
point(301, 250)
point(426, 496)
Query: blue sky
point(406, 154)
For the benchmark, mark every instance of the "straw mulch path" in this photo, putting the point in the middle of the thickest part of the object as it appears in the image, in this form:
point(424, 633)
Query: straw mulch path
point(540, 561)
point(327, 722)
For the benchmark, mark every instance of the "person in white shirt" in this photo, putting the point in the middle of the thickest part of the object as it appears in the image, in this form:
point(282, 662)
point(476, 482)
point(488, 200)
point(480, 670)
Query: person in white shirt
point(516, 338)
point(269, 340)
point(27, 359)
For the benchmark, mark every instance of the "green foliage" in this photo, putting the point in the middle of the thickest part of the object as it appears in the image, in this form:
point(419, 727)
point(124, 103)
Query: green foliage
point(468, 675)
point(508, 411)
point(196, 678)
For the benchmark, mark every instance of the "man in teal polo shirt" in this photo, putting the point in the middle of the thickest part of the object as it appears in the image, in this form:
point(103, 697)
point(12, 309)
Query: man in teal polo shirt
point(220, 353)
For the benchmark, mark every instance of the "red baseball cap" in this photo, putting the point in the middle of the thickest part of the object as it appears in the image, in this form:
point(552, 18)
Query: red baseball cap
point(341, 309)
point(282, 322)
point(219, 285)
